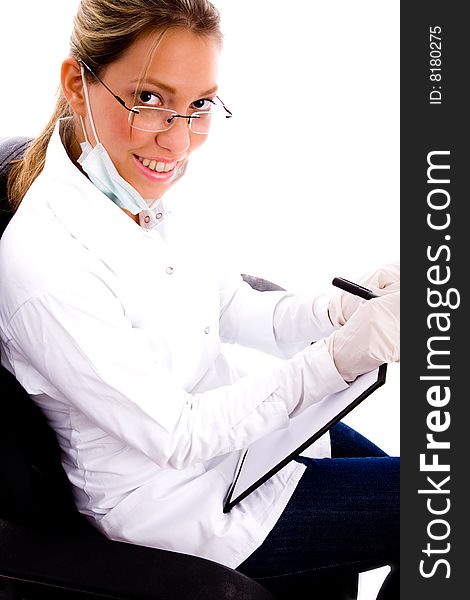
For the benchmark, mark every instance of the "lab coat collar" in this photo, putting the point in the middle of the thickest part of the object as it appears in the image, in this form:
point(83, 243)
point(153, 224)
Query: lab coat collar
point(88, 214)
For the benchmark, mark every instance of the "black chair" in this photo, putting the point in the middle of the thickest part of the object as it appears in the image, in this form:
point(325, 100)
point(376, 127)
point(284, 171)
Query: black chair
point(48, 550)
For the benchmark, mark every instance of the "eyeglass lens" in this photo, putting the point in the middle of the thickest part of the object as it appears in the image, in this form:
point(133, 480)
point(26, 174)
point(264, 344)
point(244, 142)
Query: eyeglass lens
point(157, 119)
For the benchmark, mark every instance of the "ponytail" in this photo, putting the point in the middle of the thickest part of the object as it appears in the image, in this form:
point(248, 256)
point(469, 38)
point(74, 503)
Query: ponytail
point(25, 170)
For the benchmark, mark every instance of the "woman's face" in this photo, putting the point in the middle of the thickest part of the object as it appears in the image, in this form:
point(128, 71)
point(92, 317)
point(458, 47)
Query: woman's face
point(181, 74)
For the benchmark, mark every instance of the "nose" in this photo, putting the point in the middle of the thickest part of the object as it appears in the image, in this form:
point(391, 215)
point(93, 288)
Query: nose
point(176, 139)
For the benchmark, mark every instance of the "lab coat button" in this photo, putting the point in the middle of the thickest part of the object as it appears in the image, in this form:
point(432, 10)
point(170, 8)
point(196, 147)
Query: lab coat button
point(159, 215)
point(169, 270)
point(146, 219)
point(207, 330)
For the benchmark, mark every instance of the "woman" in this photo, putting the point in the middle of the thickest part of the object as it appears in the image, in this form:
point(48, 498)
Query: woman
point(115, 328)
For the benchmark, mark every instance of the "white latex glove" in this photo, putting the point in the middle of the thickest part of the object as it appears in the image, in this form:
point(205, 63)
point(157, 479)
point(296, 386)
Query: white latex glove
point(382, 281)
point(369, 338)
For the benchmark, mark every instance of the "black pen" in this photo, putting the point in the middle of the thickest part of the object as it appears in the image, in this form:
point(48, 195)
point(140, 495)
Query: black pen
point(353, 288)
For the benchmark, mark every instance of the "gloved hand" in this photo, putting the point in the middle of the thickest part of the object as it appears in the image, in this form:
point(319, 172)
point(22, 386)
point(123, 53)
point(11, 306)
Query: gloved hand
point(369, 338)
point(382, 281)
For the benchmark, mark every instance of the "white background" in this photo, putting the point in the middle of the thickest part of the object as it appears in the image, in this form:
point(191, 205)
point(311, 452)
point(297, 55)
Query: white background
point(303, 184)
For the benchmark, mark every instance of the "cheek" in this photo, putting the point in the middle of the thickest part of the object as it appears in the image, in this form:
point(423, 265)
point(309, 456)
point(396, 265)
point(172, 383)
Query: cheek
point(120, 135)
point(118, 142)
point(196, 141)
point(116, 130)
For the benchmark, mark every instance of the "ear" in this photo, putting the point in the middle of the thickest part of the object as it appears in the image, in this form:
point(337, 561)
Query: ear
point(72, 85)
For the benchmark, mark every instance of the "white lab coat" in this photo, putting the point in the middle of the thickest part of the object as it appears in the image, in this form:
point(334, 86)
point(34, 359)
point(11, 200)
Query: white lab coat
point(117, 335)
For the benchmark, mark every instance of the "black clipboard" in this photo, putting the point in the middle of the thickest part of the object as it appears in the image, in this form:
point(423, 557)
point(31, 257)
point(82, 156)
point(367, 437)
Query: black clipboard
point(247, 478)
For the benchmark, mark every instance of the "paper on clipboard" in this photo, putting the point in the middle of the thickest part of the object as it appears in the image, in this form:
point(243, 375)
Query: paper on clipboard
point(271, 453)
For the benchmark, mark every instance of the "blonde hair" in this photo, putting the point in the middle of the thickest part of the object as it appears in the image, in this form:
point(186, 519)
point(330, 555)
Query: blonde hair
point(102, 32)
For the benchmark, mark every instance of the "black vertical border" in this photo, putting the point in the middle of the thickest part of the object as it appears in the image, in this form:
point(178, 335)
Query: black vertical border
point(426, 128)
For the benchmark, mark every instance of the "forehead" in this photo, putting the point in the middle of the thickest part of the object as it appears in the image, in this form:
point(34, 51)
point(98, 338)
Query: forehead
point(179, 59)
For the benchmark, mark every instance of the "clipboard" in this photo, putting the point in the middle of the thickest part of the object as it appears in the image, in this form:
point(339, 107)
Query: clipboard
point(268, 455)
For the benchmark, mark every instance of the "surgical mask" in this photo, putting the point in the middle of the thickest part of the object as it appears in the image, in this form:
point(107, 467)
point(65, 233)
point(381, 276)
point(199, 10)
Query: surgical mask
point(99, 167)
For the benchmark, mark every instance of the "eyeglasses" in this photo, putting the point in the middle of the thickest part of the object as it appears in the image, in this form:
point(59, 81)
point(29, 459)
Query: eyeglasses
point(155, 119)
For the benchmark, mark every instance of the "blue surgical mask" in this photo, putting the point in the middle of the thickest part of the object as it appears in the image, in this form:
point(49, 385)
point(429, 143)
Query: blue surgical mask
point(99, 167)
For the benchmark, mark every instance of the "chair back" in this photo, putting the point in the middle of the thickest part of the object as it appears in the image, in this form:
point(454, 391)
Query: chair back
point(33, 484)
point(11, 149)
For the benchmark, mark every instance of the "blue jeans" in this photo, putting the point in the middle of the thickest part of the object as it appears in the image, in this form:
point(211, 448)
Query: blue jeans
point(342, 519)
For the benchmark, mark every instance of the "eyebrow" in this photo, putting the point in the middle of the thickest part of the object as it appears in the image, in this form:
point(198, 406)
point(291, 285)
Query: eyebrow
point(169, 88)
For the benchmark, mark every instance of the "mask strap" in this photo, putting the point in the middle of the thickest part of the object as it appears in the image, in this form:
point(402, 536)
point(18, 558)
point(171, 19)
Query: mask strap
point(83, 129)
point(87, 100)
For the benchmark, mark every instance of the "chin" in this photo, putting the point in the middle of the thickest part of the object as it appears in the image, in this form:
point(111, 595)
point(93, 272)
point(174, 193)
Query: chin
point(156, 191)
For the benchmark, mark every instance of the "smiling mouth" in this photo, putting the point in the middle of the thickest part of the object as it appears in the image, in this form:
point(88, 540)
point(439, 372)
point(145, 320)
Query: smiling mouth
point(158, 166)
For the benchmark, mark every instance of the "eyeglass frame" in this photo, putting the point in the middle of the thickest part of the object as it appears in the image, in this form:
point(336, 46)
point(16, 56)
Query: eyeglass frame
point(134, 110)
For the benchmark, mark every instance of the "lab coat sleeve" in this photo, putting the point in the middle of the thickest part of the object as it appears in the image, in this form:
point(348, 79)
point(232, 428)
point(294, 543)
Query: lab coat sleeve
point(81, 342)
point(275, 322)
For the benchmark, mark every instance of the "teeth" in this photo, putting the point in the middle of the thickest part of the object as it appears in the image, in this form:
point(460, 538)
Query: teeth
point(159, 166)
